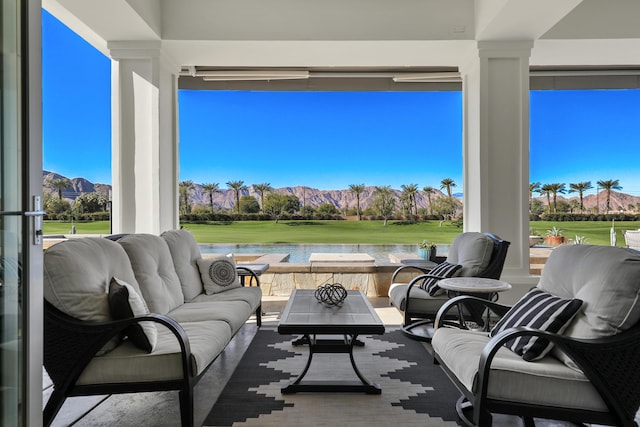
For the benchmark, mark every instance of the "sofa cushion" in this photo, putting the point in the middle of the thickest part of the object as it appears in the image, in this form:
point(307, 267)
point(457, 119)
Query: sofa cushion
point(128, 363)
point(77, 274)
point(235, 313)
point(185, 252)
point(546, 382)
point(153, 267)
point(440, 271)
point(252, 295)
point(421, 301)
point(125, 303)
point(538, 310)
point(218, 274)
point(473, 251)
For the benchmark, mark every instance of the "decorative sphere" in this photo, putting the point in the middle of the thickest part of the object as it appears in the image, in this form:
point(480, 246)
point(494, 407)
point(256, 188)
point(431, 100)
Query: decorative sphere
point(331, 294)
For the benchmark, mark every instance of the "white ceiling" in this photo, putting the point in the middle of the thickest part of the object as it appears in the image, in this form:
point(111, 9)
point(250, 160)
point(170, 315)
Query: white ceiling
point(361, 33)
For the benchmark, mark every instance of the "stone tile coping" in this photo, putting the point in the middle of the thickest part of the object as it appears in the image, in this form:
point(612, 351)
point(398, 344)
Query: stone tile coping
point(340, 257)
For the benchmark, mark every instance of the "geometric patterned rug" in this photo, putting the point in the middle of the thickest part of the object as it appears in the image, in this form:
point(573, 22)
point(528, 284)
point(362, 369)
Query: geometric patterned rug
point(415, 392)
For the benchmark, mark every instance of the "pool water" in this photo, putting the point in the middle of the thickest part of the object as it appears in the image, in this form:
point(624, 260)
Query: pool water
point(301, 252)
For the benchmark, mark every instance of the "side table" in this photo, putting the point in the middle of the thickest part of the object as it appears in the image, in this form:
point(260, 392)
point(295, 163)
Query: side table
point(478, 286)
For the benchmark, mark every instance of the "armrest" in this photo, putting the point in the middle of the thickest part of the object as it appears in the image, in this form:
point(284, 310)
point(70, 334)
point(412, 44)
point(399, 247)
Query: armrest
point(404, 267)
point(499, 309)
point(70, 344)
point(610, 363)
point(251, 273)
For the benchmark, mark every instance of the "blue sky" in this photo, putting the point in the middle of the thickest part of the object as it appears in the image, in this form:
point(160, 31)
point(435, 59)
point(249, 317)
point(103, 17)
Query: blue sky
point(328, 140)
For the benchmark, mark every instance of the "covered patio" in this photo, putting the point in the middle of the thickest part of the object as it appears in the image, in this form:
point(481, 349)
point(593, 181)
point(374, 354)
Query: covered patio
point(494, 51)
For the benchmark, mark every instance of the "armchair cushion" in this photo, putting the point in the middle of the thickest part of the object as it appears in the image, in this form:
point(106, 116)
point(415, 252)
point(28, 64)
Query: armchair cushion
point(125, 303)
point(539, 310)
point(440, 271)
point(472, 251)
point(218, 274)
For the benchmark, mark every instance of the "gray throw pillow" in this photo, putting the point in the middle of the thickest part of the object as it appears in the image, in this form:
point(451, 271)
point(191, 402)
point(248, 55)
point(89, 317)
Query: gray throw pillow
point(218, 274)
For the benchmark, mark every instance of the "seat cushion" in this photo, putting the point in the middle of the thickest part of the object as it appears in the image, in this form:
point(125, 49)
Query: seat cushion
point(235, 313)
point(252, 295)
point(545, 382)
point(185, 253)
point(153, 267)
point(128, 363)
point(421, 301)
point(473, 251)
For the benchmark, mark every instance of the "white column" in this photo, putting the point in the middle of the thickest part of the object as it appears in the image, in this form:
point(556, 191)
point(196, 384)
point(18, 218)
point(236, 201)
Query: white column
point(496, 148)
point(144, 138)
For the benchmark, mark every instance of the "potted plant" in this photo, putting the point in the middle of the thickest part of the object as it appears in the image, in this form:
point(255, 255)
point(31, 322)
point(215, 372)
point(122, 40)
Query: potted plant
point(554, 237)
point(427, 250)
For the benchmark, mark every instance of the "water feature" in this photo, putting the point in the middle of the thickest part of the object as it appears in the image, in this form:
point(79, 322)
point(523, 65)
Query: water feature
point(301, 252)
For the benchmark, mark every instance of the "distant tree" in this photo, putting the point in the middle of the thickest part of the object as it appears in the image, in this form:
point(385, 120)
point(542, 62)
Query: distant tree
point(447, 184)
point(327, 209)
point(384, 202)
point(545, 190)
point(357, 189)
point(410, 191)
point(608, 185)
point(446, 207)
point(556, 188)
point(91, 202)
point(307, 211)
point(54, 206)
point(580, 188)
point(60, 184)
point(429, 191)
point(574, 205)
point(249, 204)
point(276, 205)
point(184, 192)
point(261, 189)
point(537, 207)
point(533, 187)
point(237, 187)
point(211, 189)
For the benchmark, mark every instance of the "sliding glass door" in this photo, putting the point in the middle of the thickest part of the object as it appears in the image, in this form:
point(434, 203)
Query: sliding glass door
point(20, 252)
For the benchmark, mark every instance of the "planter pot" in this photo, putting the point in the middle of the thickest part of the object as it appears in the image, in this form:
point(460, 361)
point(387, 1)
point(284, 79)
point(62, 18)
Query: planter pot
point(428, 254)
point(555, 240)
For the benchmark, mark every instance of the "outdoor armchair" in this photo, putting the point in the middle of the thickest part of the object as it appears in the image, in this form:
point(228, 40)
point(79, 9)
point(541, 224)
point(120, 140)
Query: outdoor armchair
point(472, 254)
point(632, 239)
point(567, 350)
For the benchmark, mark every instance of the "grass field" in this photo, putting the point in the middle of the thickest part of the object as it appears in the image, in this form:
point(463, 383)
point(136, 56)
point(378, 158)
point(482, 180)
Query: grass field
point(350, 231)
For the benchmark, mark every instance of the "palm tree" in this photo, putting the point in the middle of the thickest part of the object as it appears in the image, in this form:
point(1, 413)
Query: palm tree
point(580, 187)
point(261, 189)
point(237, 187)
point(611, 184)
point(184, 187)
point(429, 191)
point(211, 189)
point(357, 189)
point(545, 190)
point(556, 188)
point(447, 184)
point(409, 191)
point(59, 185)
point(533, 187)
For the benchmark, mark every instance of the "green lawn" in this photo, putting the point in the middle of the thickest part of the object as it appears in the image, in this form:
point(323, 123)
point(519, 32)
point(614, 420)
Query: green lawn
point(349, 231)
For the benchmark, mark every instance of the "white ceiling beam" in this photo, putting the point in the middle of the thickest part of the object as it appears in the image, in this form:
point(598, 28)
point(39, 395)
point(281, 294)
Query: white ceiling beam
point(519, 19)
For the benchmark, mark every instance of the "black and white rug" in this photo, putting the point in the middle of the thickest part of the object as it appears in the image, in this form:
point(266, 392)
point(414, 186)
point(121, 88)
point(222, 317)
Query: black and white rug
point(415, 392)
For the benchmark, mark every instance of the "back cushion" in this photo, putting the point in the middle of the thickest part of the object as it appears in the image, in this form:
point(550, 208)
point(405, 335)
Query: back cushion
point(153, 267)
point(77, 273)
point(185, 253)
point(472, 251)
point(606, 278)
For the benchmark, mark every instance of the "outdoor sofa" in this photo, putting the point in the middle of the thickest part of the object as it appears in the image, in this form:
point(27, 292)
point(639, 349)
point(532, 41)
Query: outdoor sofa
point(186, 310)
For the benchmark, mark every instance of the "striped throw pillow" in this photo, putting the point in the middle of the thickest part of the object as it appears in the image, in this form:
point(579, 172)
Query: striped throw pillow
point(440, 271)
point(537, 310)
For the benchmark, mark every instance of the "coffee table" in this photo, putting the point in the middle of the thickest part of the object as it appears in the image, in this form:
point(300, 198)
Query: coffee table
point(304, 315)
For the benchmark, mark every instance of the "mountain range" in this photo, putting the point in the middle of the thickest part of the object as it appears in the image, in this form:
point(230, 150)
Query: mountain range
point(310, 196)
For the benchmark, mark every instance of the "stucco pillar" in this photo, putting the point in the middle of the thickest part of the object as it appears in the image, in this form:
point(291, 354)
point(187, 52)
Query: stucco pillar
point(144, 138)
point(496, 148)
